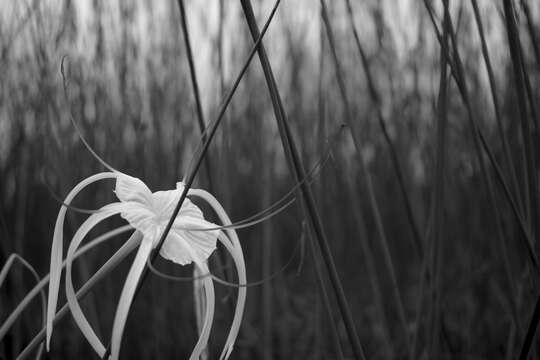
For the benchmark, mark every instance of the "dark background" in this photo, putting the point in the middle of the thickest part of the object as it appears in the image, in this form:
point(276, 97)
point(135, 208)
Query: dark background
point(464, 280)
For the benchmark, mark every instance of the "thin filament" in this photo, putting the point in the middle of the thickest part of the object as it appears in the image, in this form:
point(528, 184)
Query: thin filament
point(72, 118)
point(220, 280)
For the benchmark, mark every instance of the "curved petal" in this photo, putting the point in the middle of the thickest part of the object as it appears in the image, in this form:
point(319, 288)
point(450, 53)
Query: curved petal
point(73, 303)
point(164, 203)
point(56, 250)
point(127, 296)
point(129, 188)
point(232, 244)
point(209, 314)
point(189, 209)
point(186, 247)
point(140, 217)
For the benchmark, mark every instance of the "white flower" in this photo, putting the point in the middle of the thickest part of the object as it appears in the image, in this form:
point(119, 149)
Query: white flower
point(150, 212)
point(191, 239)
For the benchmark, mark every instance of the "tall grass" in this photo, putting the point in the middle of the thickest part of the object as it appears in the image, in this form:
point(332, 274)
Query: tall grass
point(417, 232)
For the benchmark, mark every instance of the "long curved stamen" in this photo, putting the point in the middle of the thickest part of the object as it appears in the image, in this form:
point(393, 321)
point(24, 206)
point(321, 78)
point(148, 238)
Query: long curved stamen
point(277, 206)
point(106, 268)
point(198, 292)
point(199, 276)
point(240, 224)
point(126, 297)
point(209, 314)
point(59, 200)
point(238, 257)
point(74, 306)
point(75, 125)
point(23, 304)
point(56, 249)
point(232, 244)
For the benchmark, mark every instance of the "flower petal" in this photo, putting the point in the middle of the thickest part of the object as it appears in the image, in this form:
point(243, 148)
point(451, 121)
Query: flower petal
point(56, 250)
point(164, 203)
point(140, 217)
point(184, 247)
point(127, 296)
point(129, 188)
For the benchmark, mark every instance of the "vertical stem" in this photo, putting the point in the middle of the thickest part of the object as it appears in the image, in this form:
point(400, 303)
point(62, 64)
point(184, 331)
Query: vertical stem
point(297, 168)
point(266, 255)
point(532, 33)
point(368, 181)
point(196, 92)
point(202, 126)
point(334, 333)
point(442, 120)
point(457, 71)
point(515, 54)
point(375, 283)
point(225, 152)
point(376, 99)
point(496, 106)
point(321, 198)
point(477, 135)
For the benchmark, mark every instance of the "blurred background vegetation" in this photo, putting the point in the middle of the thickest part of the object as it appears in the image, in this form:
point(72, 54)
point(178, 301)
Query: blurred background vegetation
point(130, 92)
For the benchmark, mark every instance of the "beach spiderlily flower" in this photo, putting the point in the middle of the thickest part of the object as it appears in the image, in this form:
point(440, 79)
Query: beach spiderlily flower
point(191, 240)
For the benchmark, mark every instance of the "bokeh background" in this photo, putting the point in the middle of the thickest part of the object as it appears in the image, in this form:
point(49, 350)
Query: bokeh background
point(129, 90)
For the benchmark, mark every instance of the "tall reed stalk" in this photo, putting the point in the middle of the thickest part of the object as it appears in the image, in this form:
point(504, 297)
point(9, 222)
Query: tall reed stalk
point(526, 133)
point(454, 61)
point(327, 325)
point(377, 102)
point(496, 107)
point(368, 181)
point(219, 260)
point(457, 76)
point(196, 92)
point(438, 198)
point(532, 32)
point(297, 168)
